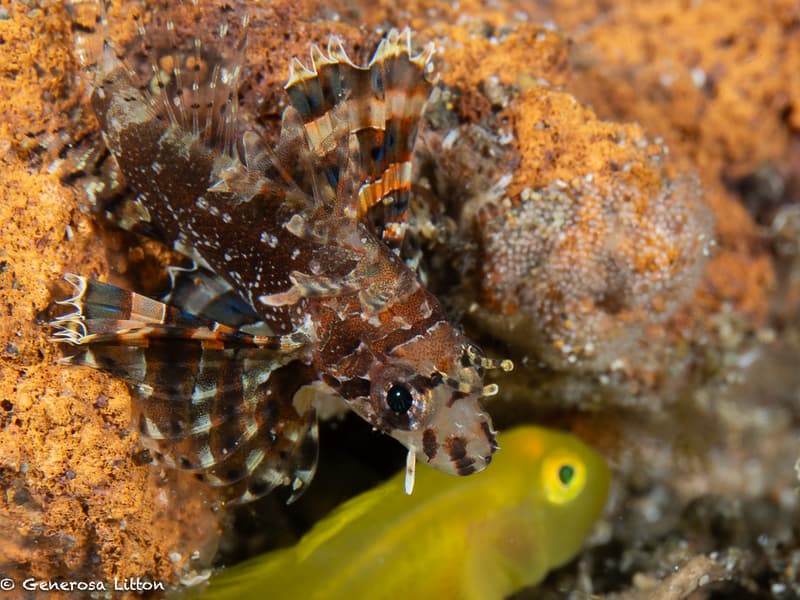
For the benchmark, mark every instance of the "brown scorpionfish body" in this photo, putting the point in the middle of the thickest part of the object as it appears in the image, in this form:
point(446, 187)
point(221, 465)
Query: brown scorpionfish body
point(297, 281)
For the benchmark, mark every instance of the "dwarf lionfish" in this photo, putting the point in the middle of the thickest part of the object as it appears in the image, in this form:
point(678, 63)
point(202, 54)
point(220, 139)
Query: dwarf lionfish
point(297, 291)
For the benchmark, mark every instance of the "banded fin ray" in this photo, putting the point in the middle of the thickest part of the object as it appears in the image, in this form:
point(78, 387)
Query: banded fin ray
point(228, 416)
point(105, 313)
point(380, 105)
point(221, 407)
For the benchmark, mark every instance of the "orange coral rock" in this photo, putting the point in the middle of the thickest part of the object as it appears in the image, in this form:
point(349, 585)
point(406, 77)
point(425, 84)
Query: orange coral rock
point(596, 238)
point(74, 505)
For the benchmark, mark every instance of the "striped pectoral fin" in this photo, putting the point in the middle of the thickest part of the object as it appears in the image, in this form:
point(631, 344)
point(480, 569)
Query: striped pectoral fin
point(229, 417)
point(102, 310)
point(208, 398)
point(106, 316)
point(226, 414)
point(270, 460)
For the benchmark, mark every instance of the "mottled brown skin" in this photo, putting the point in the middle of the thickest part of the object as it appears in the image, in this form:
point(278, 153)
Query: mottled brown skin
point(299, 278)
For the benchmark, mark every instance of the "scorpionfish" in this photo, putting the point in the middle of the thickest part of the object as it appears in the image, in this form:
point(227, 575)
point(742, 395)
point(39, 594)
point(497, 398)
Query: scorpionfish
point(298, 291)
point(487, 536)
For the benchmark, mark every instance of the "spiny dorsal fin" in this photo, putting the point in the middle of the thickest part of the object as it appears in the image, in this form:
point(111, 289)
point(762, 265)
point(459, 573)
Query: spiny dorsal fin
point(379, 105)
point(194, 83)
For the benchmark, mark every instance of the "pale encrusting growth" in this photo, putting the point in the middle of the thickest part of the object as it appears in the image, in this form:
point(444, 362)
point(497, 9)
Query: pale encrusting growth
point(579, 271)
point(582, 234)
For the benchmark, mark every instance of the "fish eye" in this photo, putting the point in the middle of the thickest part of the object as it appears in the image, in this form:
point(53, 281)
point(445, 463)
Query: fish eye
point(563, 477)
point(566, 473)
point(399, 398)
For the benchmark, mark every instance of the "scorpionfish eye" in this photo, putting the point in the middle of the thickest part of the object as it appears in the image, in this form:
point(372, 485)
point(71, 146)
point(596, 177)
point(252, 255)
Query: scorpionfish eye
point(399, 398)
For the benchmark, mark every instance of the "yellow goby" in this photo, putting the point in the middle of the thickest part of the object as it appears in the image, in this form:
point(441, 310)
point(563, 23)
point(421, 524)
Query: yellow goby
point(481, 537)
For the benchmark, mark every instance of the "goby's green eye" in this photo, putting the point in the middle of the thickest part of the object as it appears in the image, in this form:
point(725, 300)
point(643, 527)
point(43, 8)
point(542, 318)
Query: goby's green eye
point(566, 473)
point(563, 476)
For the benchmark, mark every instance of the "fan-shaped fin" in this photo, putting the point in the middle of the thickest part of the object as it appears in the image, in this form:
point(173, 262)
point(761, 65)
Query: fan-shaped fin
point(379, 104)
point(208, 398)
point(168, 108)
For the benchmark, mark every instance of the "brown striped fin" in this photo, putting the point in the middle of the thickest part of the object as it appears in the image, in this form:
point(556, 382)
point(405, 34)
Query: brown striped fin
point(228, 416)
point(208, 398)
point(225, 414)
point(380, 105)
point(104, 313)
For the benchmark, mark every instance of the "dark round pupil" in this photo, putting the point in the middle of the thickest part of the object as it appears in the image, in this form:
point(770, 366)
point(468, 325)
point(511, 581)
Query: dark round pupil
point(399, 398)
point(565, 474)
